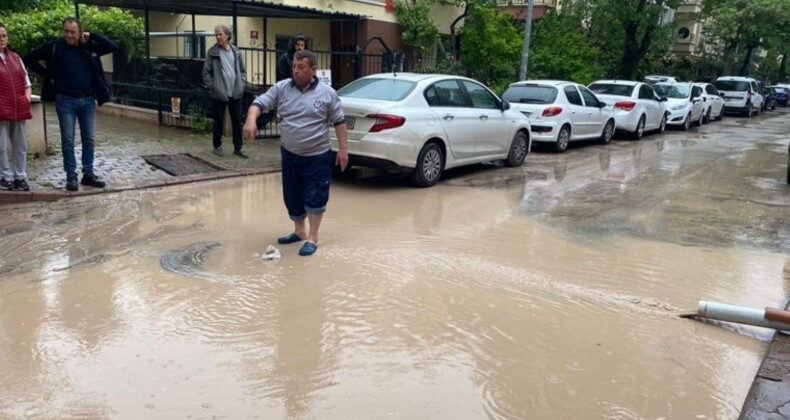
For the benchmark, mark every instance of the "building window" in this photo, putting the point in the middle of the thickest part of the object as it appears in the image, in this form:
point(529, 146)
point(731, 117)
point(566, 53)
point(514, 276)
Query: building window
point(684, 32)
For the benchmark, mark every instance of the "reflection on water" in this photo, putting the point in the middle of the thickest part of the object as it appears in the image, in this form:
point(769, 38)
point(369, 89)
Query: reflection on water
point(554, 298)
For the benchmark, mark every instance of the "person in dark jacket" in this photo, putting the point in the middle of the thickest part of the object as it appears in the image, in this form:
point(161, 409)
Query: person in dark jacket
point(224, 74)
point(14, 110)
point(285, 62)
point(73, 77)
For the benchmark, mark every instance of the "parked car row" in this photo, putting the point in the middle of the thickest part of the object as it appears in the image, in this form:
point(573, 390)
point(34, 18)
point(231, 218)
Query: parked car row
point(426, 123)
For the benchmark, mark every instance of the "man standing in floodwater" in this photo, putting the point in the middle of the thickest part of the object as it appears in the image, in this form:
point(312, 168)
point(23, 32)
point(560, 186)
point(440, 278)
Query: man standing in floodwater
point(307, 108)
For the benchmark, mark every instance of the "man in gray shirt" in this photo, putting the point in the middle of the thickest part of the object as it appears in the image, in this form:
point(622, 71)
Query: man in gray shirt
point(224, 74)
point(307, 107)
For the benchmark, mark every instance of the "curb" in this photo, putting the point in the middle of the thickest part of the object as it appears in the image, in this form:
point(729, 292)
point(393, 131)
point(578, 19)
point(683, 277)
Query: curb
point(769, 395)
point(45, 195)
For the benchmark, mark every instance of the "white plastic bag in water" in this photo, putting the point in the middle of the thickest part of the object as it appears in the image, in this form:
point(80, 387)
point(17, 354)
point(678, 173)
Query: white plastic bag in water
point(271, 253)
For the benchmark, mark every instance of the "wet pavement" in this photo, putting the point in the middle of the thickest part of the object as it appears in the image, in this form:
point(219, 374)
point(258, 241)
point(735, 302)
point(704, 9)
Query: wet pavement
point(121, 144)
point(547, 291)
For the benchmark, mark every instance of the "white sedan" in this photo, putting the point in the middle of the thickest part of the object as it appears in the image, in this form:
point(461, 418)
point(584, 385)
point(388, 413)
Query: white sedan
point(637, 108)
point(684, 103)
point(561, 112)
point(712, 102)
point(426, 123)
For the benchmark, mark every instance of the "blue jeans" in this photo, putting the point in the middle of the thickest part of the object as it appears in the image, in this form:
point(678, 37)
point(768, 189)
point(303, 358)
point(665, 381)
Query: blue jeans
point(70, 110)
point(305, 183)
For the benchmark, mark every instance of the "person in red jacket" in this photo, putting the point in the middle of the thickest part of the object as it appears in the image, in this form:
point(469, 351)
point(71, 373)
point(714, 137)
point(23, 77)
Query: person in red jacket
point(14, 110)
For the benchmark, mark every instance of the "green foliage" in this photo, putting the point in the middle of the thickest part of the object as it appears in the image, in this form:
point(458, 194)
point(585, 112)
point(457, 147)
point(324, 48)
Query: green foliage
point(741, 26)
point(419, 31)
point(560, 49)
point(491, 47)
point(200, 124)
point(12, 6)
point(28, 29)
point(442, 65)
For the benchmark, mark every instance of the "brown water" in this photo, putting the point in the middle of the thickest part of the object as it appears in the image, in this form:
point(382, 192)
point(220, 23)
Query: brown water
point(555, 295)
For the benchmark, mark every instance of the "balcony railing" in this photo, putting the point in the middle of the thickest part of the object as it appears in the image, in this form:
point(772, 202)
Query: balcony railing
point(550, 3)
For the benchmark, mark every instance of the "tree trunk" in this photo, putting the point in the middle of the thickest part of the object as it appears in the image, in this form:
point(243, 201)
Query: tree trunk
point(628, 65)
point(456, 49)
point(744, 71)
point(783, 68)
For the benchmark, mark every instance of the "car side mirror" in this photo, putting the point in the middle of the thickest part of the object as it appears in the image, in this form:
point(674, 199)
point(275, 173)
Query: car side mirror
point(696, 100)
point(505, 105)
point(663, 99)
point(601, 104)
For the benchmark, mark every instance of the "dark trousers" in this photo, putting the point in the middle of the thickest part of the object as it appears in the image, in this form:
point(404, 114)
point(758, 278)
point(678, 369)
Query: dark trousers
point(234, 108)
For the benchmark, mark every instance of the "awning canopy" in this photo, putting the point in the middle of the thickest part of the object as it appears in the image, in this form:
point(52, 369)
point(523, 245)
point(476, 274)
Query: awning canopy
point(225, 8)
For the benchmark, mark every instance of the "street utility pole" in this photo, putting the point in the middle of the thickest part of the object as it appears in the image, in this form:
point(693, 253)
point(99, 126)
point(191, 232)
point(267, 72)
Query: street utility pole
point(522, 74)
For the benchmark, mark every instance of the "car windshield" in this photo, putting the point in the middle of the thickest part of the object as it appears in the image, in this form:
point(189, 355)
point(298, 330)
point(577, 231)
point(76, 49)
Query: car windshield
point(612, 89)
point(732, 85)
point(378, 89)
point(781, 89)
point(672, 91)
point(530, 94)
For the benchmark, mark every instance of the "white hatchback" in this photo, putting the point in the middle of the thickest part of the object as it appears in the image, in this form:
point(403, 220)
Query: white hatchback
point(684, 103)
point(712, 102)
point(561, 112)
point(427, 123)
point(637, 108)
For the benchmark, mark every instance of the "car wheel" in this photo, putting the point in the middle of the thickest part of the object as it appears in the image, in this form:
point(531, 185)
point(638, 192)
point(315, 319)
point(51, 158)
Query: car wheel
point(788, 166)
point(707, 116)
point(687, 124)
point(518, 150)
point(430, 164)
point(773, 107)
point(721, 114)
point(607, 133)
point(663, 126)
point(701, 119)
point(563, 138)
point(640, 129)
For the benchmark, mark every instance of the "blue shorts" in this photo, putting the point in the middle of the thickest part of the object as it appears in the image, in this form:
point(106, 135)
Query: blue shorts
point(305, 183)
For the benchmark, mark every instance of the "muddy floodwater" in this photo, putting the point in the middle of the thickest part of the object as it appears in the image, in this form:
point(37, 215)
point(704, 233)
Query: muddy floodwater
point(542, 292)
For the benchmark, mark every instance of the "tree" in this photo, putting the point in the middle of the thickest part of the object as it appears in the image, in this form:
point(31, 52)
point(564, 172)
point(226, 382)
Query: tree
point(418, 30)
point(628, 30)
point(743, 26)
point(30, 28)
point(491, 46)
point(560, 49)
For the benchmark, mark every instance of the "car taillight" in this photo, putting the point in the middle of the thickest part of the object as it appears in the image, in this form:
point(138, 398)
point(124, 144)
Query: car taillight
point(385, 121)
point(552, 111)
point(625, 105)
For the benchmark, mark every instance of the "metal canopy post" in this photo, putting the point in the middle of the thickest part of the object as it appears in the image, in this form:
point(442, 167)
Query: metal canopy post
point(358, 67)
point(235, 23)
point(264, 37)
point(147, 45)
point(76, 9)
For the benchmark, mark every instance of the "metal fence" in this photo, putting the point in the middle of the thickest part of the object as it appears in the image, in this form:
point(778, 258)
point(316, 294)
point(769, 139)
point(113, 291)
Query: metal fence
point(171, 82)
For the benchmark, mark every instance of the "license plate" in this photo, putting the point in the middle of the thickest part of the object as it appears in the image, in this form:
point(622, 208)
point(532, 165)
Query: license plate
point(350, 122)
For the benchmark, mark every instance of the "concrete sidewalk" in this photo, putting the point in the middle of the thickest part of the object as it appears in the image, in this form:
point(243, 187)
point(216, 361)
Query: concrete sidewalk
point(121, 144)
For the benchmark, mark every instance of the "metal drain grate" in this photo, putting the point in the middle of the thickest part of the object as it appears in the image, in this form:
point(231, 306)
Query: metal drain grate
point(183, 164)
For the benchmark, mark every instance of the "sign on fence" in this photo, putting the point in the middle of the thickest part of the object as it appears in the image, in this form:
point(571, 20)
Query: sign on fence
point(324, 76)
point(175, 106)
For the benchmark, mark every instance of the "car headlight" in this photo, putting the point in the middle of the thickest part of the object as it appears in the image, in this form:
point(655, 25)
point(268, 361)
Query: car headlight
point(678, 107)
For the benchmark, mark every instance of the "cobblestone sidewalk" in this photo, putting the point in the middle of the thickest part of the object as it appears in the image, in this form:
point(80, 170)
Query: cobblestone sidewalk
point(121, 144)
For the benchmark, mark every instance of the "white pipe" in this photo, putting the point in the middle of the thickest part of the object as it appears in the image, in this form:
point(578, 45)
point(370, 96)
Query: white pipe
point(738, 314)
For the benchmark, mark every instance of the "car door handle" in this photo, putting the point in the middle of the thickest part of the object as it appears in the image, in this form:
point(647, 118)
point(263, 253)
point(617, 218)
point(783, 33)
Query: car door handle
point(484, 117)
point(448, 117)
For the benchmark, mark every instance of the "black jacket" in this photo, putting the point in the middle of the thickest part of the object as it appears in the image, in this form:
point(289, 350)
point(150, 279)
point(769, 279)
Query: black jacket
point(97, 46)
point(285, 62)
